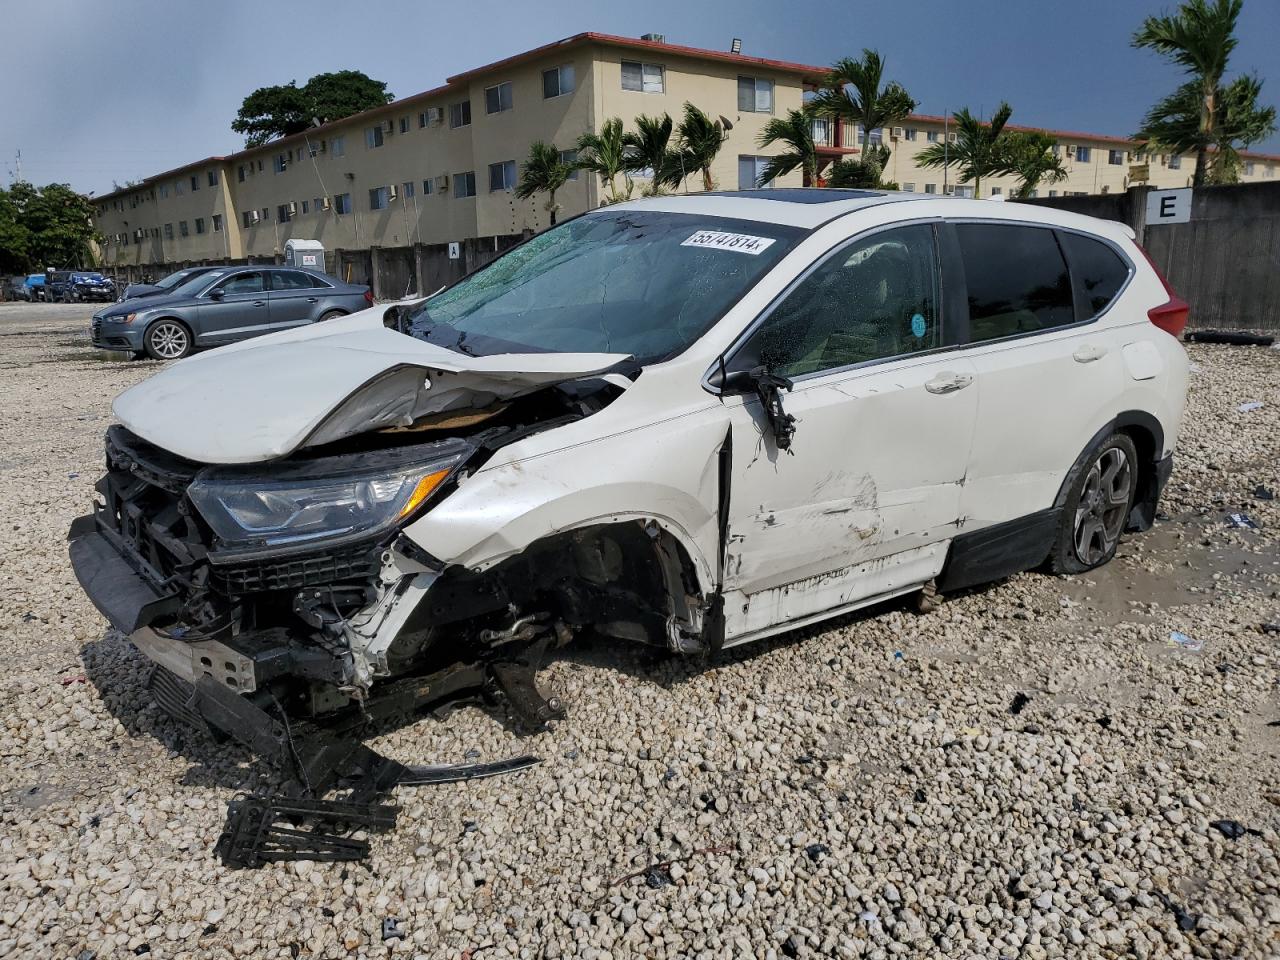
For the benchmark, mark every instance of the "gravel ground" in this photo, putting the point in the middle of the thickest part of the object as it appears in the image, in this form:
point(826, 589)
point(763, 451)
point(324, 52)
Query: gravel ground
point(863, 789)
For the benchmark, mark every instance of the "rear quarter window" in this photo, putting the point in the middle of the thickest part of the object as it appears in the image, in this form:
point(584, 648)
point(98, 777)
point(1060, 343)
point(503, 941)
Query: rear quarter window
point(1017, 280)
point(1099, 272)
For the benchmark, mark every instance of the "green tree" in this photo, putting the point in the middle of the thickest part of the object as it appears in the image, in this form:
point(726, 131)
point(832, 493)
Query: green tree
point(650, 151)
point(1029, 156)
point(544, 171)
point(861, 173)
point(795, 132)
point(605, 155)
point(856, 91)
point(278, 111)
point(1202, 115)
point(700, 141)
point(50, 227)
point(978, 151)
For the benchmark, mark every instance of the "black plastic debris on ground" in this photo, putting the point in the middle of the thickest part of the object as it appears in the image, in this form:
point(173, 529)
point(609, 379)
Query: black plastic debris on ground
point(1263, 493)
point(1272, 628)
point(816, 851)
point(1104, 722)
point(1020, 700)
point(658, 876)
point(1233, 829)
point(791, 946)
point(391, 929)
point(1186, 921)
point(919, 796)
point(271, 829)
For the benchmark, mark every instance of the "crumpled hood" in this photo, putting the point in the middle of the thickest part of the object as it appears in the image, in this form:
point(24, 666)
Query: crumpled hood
point(265, 398)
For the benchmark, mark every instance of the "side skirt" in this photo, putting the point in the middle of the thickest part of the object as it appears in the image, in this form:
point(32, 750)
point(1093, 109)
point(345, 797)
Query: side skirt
point(999, 551)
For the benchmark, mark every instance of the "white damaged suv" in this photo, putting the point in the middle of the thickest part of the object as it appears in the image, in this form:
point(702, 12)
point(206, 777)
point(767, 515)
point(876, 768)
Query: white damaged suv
point(687, 421)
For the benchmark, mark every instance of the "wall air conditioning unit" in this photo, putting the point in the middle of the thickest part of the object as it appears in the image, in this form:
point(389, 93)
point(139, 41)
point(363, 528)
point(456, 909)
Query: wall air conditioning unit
point(137, 234)
point(896, 133)
point(442, 183)
point(393, 193)
point(293, 208)
point(388, 126)
point(951, 138)
point(435, 115)
point(255, 217)
point(326, 203)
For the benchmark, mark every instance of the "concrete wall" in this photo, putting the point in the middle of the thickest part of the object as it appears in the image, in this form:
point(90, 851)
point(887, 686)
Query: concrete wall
point(1225, 261)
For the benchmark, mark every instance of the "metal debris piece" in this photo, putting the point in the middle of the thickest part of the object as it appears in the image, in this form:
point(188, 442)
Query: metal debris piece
point(658, 875)
point(1242, 520)
point(391, 929)
point(426, 774)
point(816, 851)
point(254, 834)
point(1250, 406)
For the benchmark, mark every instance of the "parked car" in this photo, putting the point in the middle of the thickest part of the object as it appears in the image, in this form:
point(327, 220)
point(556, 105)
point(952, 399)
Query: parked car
point(35, 287)
point(15, 288)
point(692, 422)
point(56, 285)
point(222, 306)
point(81, 287)
point(165, 284)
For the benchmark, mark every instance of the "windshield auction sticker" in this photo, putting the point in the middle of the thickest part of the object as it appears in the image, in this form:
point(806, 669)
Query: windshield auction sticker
point(737, 242)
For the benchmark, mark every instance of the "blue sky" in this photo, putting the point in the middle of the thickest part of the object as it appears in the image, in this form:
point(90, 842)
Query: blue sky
point(134, 87)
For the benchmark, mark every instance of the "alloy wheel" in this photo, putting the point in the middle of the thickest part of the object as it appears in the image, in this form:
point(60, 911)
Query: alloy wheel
point(168, 340)
point(1103, 506)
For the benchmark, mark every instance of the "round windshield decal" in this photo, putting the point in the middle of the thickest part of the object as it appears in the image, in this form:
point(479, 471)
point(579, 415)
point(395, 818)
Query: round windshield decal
point(917, 325)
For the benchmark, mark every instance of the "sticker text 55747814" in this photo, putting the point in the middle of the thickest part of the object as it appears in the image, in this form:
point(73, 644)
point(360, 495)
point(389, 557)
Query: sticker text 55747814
point(737, 242)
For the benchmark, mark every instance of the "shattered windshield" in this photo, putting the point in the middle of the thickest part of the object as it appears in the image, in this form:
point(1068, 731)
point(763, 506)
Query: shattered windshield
point(612, 281)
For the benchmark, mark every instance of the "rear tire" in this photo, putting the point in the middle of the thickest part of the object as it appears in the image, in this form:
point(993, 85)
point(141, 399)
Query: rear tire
point(167, 340)
point(331, 315)
point(1097, 507)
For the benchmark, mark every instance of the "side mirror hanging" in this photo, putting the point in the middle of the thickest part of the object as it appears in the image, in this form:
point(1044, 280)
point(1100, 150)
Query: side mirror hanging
point(769, 389)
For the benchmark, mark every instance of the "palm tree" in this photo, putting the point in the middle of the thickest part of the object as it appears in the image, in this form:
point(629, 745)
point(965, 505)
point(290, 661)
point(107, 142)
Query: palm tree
point(700, 140)
point(978, 151)
point(1030, 157)
point(1200, 38)
point(605, 155)
point(545, 171)
point(649, 151)
point(795, 131)
point(855, 90)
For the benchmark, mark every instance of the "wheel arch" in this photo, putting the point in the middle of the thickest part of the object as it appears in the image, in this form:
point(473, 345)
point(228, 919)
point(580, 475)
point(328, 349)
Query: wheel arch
point(1147, 435)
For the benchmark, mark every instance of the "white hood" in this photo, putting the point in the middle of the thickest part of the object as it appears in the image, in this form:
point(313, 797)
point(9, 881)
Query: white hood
point(264, 398)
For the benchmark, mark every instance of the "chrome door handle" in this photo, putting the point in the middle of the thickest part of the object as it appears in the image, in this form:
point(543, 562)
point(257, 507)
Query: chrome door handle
point(313, 299)
point(947, 382)
point(1087, 353)
point(259, 303)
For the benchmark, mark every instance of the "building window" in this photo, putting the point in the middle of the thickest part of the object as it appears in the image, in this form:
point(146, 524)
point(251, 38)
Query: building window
point(909, 133)
point(279, 163)
point(178, 188)
point(460, 114)
point(643, 77)
point(282, 213)
point(1115, 157)
point(422, 119)
point(1175, 162)
point(497, 98)
point(996, 191)
point(1269, 170)
point(378, 198)
point(1248, 168)
point(342, 203)
point(407, 186)
point(239, 173)
point(306, 206)
point(1053, 193)
point(373, 137)
point(164, 191)
point(1083, 154)
point(557, 81)
point(427, 188)
point(247, 218)
point(404, 124)
point(750, 169)
point(183, 230)
point(570, 158)
point(213, 178)
point(317, 204)
point(909, 187)
point(464, 184)
point(199, 225)
point(217, 223)
point(168, 231)
point(337, 146)
point(502, 176)
point(931, 136)
point(820, 132)
point(195, 184)
point(930, 188)
point(755, 95)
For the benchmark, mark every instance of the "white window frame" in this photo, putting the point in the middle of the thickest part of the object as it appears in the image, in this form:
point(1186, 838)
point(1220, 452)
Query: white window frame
point(759, 85)
point(653, 77)
point(459, 179)
point(510, 175)
point(504, 103)
point(560, 72)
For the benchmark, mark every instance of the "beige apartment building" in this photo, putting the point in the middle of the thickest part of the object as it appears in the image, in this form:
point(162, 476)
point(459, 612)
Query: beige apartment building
point(441, 166)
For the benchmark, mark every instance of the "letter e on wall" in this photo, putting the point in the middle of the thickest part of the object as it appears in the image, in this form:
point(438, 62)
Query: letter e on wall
point(1168, 206)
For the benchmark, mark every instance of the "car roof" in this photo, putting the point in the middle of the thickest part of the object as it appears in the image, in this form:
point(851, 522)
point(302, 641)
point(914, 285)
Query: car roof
point(812, 207)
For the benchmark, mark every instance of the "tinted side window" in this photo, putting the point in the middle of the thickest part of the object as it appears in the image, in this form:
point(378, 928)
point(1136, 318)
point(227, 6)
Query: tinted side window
point(873, 299)
point(244, 283)
point(291, 280)
point(1098, 271)
point(1017, 280)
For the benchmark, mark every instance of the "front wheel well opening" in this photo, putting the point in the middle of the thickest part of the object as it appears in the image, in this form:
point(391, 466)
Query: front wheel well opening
point(1147, 487)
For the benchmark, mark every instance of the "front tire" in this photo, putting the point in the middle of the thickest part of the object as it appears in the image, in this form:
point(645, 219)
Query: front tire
point(167, 340)
point(1097, 507)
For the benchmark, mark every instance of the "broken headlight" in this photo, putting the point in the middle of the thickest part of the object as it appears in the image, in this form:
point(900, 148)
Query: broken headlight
point(247, 512)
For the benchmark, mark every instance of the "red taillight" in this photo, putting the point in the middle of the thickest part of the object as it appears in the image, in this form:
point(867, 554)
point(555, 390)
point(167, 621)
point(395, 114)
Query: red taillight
point(368, 296)
point(1170, 317)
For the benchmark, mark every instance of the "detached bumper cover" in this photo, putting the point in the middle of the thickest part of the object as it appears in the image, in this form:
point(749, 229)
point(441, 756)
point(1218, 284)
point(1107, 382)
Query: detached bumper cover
point(128, 599)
